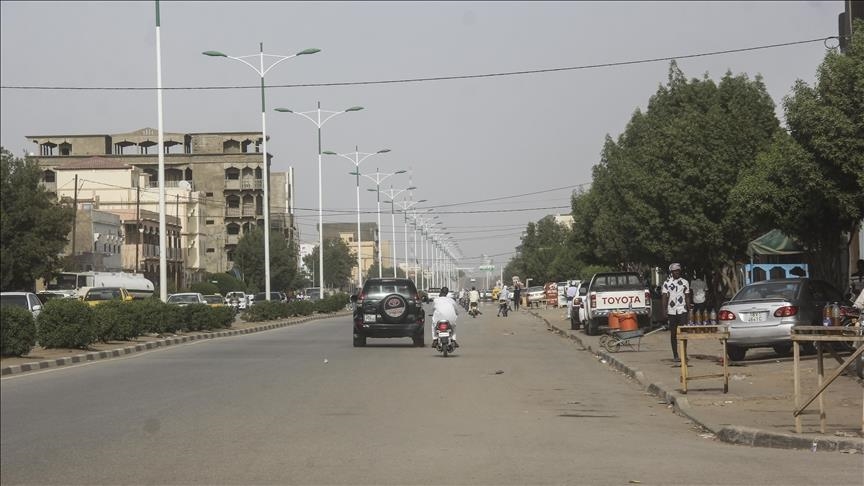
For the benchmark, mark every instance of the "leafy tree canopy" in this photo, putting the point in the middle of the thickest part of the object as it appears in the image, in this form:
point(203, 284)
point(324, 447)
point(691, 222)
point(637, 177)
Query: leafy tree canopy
point(33, 226)
point(249, 259)
point(338, 263)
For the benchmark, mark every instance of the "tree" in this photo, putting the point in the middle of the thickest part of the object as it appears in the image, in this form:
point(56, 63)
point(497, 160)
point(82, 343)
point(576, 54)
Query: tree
point(338, 263)
point(249, 259)
point(661, 191)
point(33, 226)
point(810, 182)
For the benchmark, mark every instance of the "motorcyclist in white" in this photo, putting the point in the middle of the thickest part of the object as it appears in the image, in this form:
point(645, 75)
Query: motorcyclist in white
point(474, 298)
point(445, 310)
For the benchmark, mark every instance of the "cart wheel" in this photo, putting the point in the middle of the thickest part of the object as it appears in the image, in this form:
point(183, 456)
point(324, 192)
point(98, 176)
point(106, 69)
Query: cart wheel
point(612, 345)
point(603, 340)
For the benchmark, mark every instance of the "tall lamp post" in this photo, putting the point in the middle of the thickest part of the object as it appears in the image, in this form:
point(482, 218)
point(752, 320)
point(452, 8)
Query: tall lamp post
point(392, 194)
point(261, 70)
point(319, 122)
point(378, 179)
point(405, 207)
point(357, 158)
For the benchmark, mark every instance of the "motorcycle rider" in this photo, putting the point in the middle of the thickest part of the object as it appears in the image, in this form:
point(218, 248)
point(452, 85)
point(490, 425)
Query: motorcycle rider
point(445, 310)
point(474, 299)
point(503, 300)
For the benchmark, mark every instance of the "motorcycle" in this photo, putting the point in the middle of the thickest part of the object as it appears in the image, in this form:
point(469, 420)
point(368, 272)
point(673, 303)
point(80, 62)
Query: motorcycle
point(445, 344)
point(473, 309)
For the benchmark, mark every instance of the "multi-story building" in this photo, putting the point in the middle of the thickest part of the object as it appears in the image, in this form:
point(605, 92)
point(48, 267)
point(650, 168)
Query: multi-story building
point(213, 184)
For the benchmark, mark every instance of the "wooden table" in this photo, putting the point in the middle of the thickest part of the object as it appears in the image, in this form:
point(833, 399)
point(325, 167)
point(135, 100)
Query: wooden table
point(715, 332)
point(818, 335)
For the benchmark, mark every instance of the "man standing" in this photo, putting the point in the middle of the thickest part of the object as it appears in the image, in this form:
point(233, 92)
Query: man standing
point(517, 291)
point(571, 294)
point(676, 302)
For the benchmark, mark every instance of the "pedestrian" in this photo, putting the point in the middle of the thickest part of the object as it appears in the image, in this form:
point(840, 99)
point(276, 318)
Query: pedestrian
point(517, 292)
point(676, 302)
point(571, 294)
point(699, 289)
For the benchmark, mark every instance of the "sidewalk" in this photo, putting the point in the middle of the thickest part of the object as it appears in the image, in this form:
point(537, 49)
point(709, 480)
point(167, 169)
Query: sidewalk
point(757, 410)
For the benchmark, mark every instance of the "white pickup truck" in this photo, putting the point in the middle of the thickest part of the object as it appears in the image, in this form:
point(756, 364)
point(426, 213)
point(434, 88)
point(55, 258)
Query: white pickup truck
point(614, 292)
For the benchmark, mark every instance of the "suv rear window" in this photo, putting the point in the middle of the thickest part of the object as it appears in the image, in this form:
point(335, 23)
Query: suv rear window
point(379, 289)
point(616, 280)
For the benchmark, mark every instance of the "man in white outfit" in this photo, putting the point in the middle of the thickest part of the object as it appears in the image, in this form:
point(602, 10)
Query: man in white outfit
point(445, 310)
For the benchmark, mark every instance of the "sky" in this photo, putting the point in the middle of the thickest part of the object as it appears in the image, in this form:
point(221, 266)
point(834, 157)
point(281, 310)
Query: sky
point(490, 154)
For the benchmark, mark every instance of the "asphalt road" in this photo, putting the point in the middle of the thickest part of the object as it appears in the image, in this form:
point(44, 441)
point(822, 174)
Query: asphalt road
point(299, 405)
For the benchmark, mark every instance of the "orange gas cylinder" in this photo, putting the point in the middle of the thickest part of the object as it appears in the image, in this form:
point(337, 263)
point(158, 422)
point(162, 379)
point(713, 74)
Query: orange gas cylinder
point(628, 321)
point(614, 324)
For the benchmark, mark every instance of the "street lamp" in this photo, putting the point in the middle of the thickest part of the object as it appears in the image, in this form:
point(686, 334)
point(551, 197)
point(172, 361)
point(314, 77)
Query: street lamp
point(378, 179)
point(357, 160)
point(405, 207)
point(261, 70)
point(392, 195)
point(319, 122)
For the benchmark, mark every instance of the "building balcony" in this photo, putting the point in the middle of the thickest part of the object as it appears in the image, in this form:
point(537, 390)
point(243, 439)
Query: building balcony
point(232, 239)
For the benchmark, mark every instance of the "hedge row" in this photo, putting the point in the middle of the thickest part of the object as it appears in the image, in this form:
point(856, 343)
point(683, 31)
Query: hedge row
point(71, 323)
point(270, 310)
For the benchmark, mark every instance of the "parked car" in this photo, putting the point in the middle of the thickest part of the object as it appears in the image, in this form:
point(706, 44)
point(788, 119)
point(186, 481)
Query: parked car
point(237, 300)
point(578, 313)
point(761, 314)
point(535, 295)
point(97, 295)
point(46, 295)
point(274, 297)
point(215, 300)
point(188, 298)
point(388, 308)
point(24, 300)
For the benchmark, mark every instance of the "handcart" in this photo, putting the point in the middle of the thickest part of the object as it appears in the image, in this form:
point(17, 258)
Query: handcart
point(613, 341)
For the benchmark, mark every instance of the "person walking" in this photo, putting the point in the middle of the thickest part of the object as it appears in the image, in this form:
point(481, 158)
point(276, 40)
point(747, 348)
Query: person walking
point(676, 302)
point(571, 294)
point(517, 291)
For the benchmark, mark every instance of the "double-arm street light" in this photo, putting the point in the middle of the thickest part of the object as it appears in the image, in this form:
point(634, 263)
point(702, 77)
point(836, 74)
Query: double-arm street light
point(261, 70)
point(378, 178)
point(406, 206)
point(392, 194)
point(319, 122)
point(357, 158)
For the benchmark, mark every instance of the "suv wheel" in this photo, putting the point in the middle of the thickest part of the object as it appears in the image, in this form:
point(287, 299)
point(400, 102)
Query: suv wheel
point(393, 308)
point(419, 340)
point(592, 327)
point(359, 341)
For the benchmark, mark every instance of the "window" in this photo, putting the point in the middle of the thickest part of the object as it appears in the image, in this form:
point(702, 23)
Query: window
point(211, 250)
point(65, 148)
point(209, 221)
point(209, 194)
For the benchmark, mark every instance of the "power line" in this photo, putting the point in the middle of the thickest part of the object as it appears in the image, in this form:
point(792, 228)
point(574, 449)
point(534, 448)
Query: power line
point(434, 78)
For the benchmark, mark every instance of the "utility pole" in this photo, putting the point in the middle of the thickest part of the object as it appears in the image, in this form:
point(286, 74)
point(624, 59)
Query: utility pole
point(75, 220)
point(138, 227)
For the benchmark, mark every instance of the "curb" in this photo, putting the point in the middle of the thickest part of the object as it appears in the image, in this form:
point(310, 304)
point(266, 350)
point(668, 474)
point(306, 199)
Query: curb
point(163, 343)
point(730, 434)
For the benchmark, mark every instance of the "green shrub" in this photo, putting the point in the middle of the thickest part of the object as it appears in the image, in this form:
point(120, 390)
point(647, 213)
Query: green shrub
point(17, 331)
point(196, 317)
point(223, 317)
point(332, 303)
point(65, 323)
point(301, 308)
point(116, 321)
point(205, 288)
point(152, 314)
point(266, 311)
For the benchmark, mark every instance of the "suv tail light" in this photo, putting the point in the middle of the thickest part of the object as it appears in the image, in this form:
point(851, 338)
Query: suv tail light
point(786, 311)
point(726, 315)
point(593, 300)
point(647, 298)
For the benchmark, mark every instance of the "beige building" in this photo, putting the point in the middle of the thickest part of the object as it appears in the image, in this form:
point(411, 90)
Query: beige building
point(213, 185)
point(347, 232)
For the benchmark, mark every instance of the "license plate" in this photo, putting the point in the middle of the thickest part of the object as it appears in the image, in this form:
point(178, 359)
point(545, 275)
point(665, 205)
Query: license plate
point(443, 334)
point(757, 317)
point(369, 317)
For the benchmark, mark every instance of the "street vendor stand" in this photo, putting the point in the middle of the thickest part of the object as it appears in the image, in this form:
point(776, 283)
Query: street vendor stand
point(818, 335)
point(711, 332)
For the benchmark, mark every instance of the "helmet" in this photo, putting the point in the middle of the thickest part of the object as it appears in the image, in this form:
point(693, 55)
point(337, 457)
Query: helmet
point(444, 292)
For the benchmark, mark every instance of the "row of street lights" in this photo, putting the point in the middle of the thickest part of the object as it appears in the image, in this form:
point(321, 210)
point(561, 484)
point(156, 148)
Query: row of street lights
point(319, 119)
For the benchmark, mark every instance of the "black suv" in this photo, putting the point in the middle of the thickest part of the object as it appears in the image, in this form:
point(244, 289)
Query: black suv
point(386, 308)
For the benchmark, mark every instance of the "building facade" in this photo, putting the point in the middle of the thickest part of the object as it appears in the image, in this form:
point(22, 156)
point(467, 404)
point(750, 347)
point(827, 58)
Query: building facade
point(213, 184)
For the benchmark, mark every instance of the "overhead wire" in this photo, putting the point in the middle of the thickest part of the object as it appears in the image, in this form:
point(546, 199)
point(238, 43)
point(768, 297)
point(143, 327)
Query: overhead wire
point(432, 78)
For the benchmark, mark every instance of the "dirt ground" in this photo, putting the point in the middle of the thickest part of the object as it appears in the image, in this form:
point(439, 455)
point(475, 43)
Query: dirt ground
point(39, 353)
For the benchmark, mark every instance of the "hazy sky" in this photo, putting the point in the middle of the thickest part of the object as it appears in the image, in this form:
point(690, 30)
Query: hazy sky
point(464, 140)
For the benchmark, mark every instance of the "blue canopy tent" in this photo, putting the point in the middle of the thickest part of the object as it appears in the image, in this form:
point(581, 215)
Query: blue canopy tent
point(776, 248)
